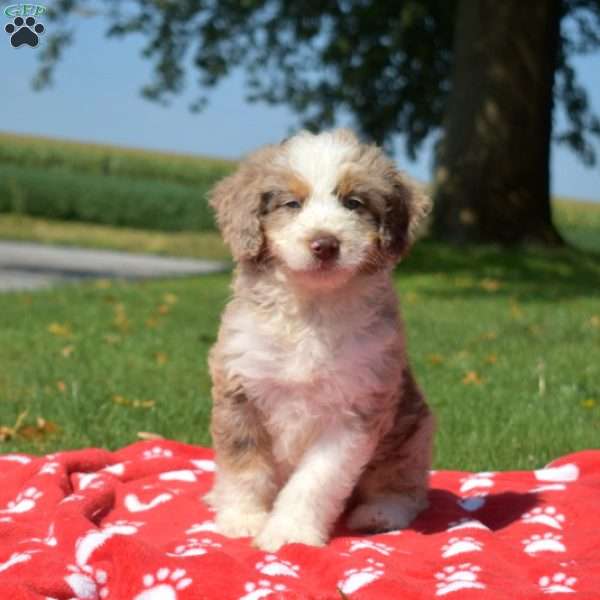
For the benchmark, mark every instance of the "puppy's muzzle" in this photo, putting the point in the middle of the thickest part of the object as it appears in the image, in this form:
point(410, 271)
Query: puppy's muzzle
point(326, 248)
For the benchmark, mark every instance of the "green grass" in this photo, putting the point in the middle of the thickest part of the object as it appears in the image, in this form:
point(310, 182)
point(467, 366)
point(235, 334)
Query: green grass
point(505, 344)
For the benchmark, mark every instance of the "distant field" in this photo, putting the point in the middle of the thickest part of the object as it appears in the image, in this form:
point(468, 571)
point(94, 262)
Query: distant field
point(579, 222)
point(106, 184)
point(100, 159)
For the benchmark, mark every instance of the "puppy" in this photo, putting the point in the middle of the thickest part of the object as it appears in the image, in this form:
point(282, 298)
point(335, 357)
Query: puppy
point(315, 408)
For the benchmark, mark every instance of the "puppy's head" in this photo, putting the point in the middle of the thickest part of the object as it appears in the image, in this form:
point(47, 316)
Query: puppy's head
point(321, 207)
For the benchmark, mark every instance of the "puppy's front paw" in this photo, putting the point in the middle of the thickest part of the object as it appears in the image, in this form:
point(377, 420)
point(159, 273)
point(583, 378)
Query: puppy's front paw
point(237, 523)
point(278, 532)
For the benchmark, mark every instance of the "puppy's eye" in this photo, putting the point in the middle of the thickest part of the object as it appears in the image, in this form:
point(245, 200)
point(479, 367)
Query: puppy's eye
point(352, 203)
point(293, 204)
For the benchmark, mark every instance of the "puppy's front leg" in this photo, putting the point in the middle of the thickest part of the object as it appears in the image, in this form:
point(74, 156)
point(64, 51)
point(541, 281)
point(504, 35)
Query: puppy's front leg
point(246, 481)
point(314, 496)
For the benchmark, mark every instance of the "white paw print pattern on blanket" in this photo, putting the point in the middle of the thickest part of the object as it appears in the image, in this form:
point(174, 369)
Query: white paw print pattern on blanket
point(548, 542)
point(466, 523)
point(355, 579)
point(200, 527)
point(87, 583)
point(157, 452)
point(559, 583)
point(88, 543)
point(546, 515)
point(455, 578)
point(261, 589)
point(48, 540)
point(194, 547)
point(460, 545)
point(378, 547)
point(49, 468)
point(16, 558)
point(24, 502)
point(164, 584)
point(274, 566)
point(133, 503)
point(477, 480)
point(18, 458)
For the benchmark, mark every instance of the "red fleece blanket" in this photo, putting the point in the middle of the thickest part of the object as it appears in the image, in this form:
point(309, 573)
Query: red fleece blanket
point(132, 525)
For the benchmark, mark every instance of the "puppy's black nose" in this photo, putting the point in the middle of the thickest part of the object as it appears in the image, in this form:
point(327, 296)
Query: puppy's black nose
point(325, 247)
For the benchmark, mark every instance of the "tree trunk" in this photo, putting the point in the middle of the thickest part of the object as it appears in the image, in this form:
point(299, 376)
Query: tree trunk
point(492, 173)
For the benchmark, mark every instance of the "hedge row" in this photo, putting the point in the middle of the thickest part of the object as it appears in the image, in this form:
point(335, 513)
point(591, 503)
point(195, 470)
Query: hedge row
point(116, 200)
point(110, 160)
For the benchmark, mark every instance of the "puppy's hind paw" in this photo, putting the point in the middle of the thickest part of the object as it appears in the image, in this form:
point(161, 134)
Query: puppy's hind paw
point(386, 513)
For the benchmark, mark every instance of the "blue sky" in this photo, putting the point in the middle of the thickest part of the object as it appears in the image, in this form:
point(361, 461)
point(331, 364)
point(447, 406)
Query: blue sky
point(96, 98)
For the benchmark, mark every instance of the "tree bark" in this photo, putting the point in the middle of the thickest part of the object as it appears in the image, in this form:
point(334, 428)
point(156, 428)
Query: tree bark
point(492, 177)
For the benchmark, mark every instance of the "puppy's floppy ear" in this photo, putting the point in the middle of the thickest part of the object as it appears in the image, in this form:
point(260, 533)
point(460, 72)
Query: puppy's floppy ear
point(237, 203)
point(407, 207)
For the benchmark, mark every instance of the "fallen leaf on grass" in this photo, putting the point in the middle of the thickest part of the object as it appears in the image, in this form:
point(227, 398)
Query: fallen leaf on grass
point(410, 297)
point(170, 298)
point(41, 429)
point(472, 378)
point(435, 359)
point(164, 309)
point(60, 330)
point(491, 359)
point(121, 321)
point(516, 312)
point(490, 285)
point(61, 386)
point(7, 432)
point(589, 403)
point(489, 335)
point(147, 435)
point(161, 358)
point(594, 321)
point(151, 322)
point(135, 403)
point(67, 351)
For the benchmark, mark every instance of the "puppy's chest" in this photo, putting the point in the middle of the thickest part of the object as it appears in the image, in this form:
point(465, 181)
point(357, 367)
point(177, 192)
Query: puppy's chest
point(329, 357)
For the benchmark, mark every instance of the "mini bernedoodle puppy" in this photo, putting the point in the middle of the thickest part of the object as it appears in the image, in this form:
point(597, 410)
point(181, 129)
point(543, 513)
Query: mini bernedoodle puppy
point(315, 408)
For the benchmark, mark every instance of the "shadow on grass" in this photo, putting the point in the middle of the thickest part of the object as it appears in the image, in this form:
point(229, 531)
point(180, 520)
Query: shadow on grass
point(528, 272)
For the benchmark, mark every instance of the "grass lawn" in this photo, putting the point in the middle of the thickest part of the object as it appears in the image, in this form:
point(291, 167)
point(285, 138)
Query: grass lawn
point(506, 345)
